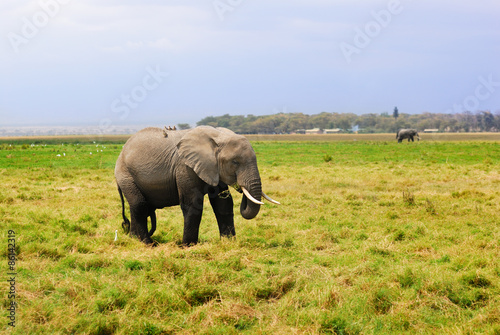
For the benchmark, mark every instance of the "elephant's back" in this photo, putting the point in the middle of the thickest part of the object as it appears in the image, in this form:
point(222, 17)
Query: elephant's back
point(147, 148)
point(148, 157)
point(157, 136)
point(151, 139)
point(145, 134)
point(141, 143)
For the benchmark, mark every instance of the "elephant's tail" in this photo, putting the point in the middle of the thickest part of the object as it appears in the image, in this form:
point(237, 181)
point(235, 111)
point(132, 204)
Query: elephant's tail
point(152, 215)
point(126, 222)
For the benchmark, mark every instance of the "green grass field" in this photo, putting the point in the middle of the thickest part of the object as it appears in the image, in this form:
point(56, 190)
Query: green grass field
point(372, 237)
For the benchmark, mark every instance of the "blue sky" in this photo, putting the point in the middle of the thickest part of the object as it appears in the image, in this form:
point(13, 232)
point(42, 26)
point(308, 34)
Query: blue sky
point(168, 62)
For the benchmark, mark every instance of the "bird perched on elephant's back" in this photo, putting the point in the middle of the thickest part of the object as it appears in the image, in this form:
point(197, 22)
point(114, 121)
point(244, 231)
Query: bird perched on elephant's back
point(407, 134)
point(155, 171)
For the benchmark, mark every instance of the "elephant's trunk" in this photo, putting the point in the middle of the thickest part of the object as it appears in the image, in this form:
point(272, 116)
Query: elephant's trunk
point(250, 207)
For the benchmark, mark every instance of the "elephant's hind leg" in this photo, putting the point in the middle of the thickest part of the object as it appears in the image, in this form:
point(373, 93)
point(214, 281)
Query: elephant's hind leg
point(126, 222)
point(139, 212)
point(152, 215)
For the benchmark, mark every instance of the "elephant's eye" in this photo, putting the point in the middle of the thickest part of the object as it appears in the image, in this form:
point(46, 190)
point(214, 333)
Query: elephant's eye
point(235, 162)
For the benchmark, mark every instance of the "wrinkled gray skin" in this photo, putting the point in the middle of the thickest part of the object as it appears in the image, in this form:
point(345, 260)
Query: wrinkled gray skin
point(407, 133)
point(158, 169)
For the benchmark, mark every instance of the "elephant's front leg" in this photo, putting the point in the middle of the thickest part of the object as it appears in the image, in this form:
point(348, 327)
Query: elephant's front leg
point(222, 204)
point(192, 209)
point(190, 188)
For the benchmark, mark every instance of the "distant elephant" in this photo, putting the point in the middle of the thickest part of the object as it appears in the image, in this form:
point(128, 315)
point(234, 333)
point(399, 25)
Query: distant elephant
point(161, 168)
point(407, 133)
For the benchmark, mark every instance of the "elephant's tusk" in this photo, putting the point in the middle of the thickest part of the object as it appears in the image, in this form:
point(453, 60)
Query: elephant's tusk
point(269, 199)
point(252, 199)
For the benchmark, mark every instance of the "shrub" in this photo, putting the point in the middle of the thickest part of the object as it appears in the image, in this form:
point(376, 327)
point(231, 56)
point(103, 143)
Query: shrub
point(133, 265)
point(382, 300)
point(476, 280)
point(408, 198)
point(327, 158)
point(408, 279)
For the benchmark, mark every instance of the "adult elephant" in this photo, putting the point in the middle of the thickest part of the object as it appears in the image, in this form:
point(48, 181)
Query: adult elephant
point(407, 133)
point(161, 168)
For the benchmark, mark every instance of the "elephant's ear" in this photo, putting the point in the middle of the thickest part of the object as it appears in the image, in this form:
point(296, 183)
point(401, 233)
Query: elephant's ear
point(198, 149)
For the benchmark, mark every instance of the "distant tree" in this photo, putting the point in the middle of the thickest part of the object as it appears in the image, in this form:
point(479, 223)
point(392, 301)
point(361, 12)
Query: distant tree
point(485, 120)
point(470, 121)
point(322, 120)
point(385, 124)
point(346, 121)
point(497, 120)
point(208, 121)
point(368, 120)
point(395, 113)
point(182, 126)
point(282, 123)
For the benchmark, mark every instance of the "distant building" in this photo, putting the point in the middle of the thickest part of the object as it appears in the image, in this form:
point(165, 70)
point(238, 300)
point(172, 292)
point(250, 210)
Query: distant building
point(431, 130)
point(314, 131)
point(332, 131)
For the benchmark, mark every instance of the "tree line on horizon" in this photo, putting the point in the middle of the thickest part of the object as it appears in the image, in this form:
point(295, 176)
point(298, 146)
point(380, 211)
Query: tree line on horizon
point(288, 123)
